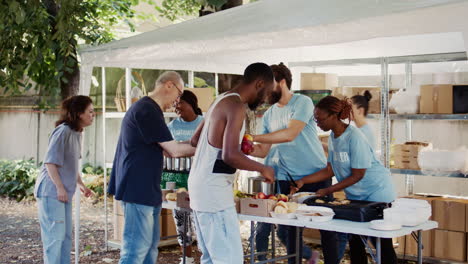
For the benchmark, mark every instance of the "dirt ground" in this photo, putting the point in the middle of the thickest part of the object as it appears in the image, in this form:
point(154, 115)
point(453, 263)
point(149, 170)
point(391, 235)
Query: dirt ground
point(20, 240)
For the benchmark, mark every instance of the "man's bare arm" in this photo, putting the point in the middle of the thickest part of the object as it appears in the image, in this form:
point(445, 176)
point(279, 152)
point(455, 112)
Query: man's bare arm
point(283, 135)
point(177, 149)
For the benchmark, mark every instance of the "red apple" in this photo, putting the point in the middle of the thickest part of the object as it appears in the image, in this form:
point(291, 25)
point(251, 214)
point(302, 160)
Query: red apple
point(282, 197)
point(260, 195)
point(247, 146)
point(247, 137)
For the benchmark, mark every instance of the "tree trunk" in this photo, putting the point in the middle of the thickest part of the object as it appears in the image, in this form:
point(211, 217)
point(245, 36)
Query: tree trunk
point(73, 85)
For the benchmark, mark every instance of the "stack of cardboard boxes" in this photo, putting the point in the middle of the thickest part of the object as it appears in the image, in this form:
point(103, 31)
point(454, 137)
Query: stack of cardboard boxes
point(166, 222)
point(405, 156)
point(449, 241)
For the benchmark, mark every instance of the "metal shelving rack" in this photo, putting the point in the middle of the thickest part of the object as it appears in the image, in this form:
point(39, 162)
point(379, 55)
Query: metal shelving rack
point(385, 117)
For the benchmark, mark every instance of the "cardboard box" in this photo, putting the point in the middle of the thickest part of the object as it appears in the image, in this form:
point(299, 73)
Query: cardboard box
point(399, 245)
point(374, 103)
point(258, 207)
point(205, 97)
point(450, 245)
point(166, 224)
point(119, 222)
point(450, 214)
point(183, 200)
point(411, 246)
point(436, 99)
point(402, 162)
point(409, 149)
point(466, 218)
point(311, 233)
point(318, 81)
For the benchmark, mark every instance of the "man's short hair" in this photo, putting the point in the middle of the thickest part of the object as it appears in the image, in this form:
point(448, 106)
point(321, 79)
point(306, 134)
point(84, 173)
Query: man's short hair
point(282, 72)
point(166, 77)
point(256, 71)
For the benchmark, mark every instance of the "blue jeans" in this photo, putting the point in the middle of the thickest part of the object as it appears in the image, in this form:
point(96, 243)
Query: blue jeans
point(141, 234)
point(55, 219)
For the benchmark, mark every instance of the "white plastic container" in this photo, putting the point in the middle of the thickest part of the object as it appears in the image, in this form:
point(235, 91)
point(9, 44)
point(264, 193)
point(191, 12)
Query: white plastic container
point(443, 160)
point(408, 212)
point(306, 213)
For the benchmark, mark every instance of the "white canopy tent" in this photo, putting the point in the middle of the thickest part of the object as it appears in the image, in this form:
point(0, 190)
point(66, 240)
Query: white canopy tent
point(289, 31)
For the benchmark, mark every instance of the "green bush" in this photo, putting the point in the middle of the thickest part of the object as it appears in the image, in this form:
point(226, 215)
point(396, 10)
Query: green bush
point(93, 178)
point(17, 178)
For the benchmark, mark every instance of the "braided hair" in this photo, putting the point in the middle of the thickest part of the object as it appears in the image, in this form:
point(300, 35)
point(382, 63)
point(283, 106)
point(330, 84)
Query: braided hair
point(333, 105)
point(191, 99)
point(362, 101)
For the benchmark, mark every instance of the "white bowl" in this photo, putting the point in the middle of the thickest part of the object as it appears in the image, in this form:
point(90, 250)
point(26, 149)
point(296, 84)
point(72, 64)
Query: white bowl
point(306, 212)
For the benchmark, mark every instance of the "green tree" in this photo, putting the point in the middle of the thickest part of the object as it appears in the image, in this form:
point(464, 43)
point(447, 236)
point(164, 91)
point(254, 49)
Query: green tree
point(39, 40)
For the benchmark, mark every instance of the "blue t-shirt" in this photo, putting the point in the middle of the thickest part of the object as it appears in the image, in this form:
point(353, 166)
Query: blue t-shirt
point(352, 150)
point(367, 131)
point(302, 156)
point(182, 130)
point(64, 150)
point(138, 161)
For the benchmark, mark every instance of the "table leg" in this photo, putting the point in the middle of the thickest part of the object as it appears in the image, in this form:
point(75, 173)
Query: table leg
point(298, 245)
point(420, 247)
point(273, 245)
point(379, 251)
point(184, 240)
point(252, 242)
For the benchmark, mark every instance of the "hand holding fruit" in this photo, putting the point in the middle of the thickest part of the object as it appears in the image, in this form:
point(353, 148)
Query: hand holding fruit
point(247, 145)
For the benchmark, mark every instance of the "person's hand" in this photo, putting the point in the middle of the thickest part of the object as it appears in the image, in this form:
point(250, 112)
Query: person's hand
point(323, 192)
point(295, 189)
point(86, 191)
point(62, 195)
point(269, 174)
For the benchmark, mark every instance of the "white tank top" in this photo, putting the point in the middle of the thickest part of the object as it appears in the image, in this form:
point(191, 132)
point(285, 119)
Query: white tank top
point(210, 180)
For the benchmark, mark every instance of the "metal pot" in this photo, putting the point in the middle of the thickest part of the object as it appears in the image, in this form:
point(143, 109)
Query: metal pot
point(176, 164)
point(188, 163)
point(169, 163)
point(257, 184)
point(182, 164)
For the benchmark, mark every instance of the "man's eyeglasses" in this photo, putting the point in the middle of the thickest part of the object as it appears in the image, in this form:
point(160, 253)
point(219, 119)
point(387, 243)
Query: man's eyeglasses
point(180, 91)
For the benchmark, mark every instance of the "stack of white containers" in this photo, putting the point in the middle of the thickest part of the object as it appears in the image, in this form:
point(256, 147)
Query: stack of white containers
point(408, 212)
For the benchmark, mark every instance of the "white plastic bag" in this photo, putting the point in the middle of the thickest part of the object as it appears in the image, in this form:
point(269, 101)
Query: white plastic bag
point(404, 103)
point(444, 160)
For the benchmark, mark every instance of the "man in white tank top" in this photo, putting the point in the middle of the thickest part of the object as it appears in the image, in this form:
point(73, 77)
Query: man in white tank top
point(217, 158)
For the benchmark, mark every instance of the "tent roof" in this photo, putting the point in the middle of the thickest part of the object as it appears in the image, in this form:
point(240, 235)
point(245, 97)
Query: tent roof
point(291, 31)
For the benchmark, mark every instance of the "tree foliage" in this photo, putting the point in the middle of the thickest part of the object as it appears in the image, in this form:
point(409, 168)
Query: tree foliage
point(39, 40)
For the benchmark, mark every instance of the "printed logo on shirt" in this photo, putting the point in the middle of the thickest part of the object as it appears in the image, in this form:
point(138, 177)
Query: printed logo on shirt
point(341, 156)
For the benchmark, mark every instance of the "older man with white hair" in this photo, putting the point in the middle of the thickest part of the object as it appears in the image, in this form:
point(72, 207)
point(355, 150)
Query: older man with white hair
point(136, 173)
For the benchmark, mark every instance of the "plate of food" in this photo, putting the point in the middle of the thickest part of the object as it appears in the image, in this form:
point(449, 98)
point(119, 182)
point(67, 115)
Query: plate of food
point(285, 210)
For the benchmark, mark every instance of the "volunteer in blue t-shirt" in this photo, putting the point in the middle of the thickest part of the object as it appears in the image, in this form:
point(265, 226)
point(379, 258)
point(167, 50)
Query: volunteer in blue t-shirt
point(291, 146)
point(352, 161)
point(360, 104)
point(182, 128)
point(138, 162)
